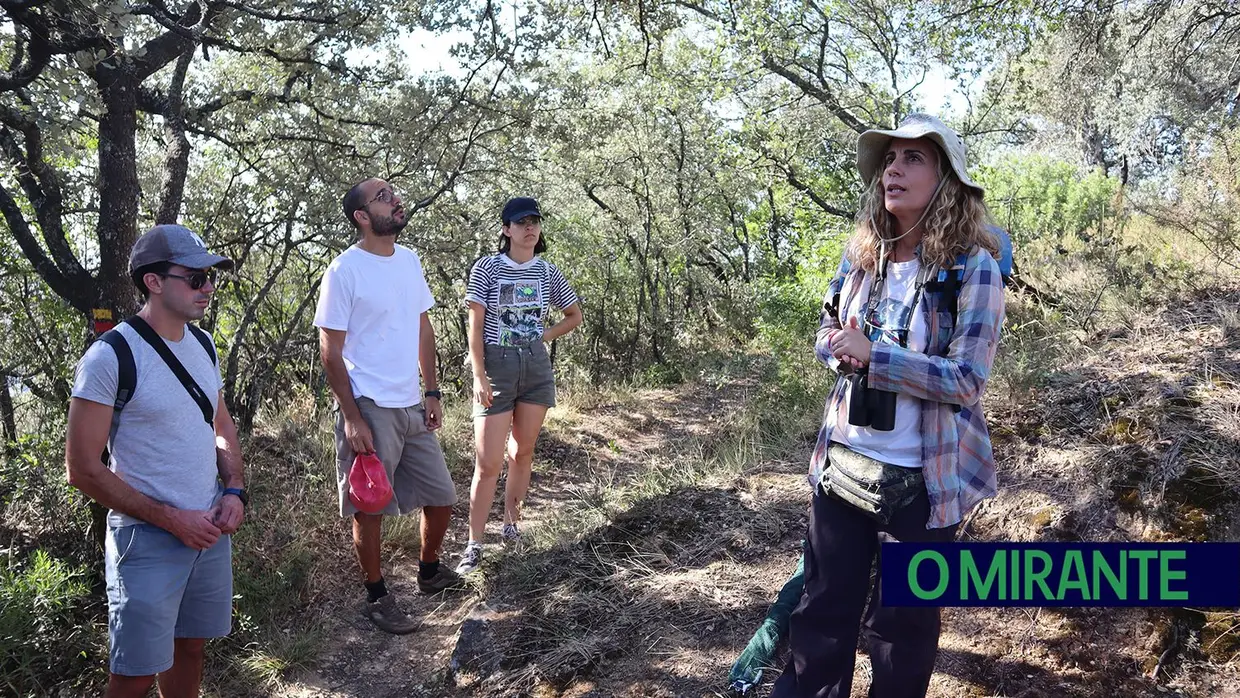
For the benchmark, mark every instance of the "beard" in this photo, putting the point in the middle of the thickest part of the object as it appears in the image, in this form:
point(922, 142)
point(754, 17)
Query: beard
point(387, 226)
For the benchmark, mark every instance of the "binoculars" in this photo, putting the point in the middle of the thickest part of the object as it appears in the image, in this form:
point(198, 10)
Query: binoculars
point(868, 407)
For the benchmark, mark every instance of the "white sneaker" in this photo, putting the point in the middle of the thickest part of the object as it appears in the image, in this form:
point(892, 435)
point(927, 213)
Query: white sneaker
point(511, 535)
point(471, 558)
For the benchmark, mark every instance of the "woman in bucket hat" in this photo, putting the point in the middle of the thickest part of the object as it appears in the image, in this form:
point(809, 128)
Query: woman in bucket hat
point(903, 452)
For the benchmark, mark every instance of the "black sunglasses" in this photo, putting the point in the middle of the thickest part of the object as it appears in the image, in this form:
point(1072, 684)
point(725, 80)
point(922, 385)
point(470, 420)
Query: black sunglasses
point(196, 279)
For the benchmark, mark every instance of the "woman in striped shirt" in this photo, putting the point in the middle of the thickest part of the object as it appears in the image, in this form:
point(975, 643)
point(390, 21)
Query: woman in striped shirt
point(509, 295)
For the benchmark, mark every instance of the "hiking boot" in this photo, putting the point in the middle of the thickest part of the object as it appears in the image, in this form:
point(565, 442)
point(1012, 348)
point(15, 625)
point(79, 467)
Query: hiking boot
point(443, 580)
point(511, 535)
point(470, 559)
point(388, 617)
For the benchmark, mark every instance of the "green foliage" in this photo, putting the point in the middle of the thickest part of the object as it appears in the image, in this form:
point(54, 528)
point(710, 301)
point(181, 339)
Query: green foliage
point(788, 316)
point(45, 640)
point(1131, 87)
point(1200, 206)
point(34, 491)
point(1038, 198)
point(697, 163)
point(789, 313)
point(1033, 347)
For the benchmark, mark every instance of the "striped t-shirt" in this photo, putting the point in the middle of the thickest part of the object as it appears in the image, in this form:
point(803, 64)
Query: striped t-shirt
point(517, 297)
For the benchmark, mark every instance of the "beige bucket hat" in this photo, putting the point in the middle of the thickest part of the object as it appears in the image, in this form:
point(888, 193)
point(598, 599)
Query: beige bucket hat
point(873, 144)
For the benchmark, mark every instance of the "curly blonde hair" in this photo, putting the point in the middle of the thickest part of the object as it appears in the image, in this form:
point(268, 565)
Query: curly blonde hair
point(956, 223)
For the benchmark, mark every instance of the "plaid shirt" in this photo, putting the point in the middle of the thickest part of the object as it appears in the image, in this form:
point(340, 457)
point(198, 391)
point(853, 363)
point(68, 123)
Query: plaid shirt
point(957, 459)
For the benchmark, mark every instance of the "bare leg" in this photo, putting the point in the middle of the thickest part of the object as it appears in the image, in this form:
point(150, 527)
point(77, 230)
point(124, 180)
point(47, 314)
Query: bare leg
point(128, 686)
point(434, 525)
point(366, 532)
point(526, 423)
point(489, 435)
point(185, 677)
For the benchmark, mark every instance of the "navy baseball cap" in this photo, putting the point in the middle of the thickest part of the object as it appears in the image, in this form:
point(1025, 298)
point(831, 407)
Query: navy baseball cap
point(176, 244)
point(519, 208)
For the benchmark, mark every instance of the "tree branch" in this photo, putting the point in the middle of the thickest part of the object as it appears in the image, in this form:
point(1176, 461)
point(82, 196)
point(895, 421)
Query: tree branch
point(797, 183)
point(176, 156)
point(24, 67)
point(698, 8)
point(161, 50)
point(41, 184)
point(43, 266)
point(820, 93)
point(253, 306)
point(200, 36)
point(280, 16)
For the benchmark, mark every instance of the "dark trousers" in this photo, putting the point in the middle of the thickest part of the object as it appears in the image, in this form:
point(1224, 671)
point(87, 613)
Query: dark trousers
point(840, 548)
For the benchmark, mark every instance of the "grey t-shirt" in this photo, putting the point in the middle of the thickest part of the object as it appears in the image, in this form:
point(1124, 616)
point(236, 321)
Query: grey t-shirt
point(163, 447)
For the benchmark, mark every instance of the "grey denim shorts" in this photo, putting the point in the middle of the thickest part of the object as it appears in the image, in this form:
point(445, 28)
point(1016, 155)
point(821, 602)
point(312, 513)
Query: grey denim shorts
point(517, 374)
point(409, 452)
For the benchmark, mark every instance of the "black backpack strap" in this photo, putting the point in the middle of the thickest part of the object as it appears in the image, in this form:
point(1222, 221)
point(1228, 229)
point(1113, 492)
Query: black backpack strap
point(205, 341)
point(126, 379)
point(157, 343)
point(947, 284)
point(951, 291)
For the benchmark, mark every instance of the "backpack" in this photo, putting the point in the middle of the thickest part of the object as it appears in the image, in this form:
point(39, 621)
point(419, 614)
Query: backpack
point(127, 371)
point(949, 280)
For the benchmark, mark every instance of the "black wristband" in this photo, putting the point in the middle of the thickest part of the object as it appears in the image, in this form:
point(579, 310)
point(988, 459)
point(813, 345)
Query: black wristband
point(434, 393)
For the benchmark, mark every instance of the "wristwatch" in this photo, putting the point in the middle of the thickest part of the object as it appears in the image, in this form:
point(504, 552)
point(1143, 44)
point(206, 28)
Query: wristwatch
point(437, 394)
point(239, 493)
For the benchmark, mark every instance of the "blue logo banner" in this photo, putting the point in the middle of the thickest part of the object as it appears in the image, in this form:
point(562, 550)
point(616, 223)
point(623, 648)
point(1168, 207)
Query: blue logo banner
point(1061, 574)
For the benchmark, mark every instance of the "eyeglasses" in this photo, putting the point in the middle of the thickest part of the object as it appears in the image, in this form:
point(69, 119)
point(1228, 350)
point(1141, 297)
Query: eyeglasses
point(196, 279)
point(385, 195)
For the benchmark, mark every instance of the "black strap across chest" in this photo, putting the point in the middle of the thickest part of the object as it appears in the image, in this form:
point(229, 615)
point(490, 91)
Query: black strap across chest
point(157, 343)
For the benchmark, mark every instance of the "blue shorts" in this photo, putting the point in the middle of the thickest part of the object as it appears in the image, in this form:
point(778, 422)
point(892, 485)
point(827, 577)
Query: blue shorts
point(160, 589)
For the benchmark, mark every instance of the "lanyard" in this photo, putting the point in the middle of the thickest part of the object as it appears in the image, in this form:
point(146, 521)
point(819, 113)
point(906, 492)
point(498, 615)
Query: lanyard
point(877, 289)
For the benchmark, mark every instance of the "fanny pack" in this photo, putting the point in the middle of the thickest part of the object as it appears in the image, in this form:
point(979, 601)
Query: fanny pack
point(875, 488)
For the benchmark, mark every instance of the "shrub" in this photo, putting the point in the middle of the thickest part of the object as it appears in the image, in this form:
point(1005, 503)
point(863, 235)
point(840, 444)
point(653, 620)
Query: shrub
point(45, 639)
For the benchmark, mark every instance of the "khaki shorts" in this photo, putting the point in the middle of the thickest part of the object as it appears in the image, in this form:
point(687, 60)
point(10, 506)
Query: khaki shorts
point(409, 451)
point(518, 374)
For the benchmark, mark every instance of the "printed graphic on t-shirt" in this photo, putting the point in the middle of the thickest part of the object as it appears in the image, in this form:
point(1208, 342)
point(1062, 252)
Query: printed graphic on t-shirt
point(520, 309)
point(523, 293)
point(888, 320)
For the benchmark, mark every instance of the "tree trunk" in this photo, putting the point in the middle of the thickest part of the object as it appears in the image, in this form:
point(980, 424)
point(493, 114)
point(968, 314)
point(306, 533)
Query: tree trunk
point(8, 416)
point(258, 385)
point(118, 190)
point(176, 156)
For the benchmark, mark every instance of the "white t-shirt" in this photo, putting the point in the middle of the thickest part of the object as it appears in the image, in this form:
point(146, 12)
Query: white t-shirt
point(378, 302)
point(902, 445)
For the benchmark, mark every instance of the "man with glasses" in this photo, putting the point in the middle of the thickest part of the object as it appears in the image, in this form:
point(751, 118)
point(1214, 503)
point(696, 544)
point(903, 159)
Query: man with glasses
point(150, 391)
point(374, 333)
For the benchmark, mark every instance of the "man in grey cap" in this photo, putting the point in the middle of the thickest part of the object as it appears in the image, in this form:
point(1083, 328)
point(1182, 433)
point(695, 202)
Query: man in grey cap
point(150, 391)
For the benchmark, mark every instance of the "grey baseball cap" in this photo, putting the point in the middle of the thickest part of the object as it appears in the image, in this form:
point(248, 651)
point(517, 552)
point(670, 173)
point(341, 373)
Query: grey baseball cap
point(176, 244)
point(873, 144)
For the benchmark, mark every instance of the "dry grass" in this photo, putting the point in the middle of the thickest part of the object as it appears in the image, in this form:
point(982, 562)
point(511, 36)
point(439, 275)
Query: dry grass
point(662, 521)
point(1130, 434)
point(285, 554)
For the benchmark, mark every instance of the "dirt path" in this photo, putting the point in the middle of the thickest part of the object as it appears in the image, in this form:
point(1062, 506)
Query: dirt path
point(688, 566)
point(659, 533)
